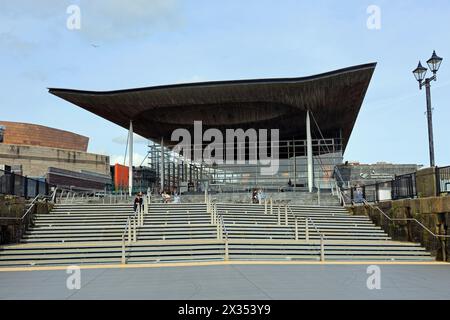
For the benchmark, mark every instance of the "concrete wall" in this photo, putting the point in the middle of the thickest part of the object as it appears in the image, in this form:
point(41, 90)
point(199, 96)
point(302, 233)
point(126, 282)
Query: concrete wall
point(37, 135)
point(35, 161)
point(433, 212)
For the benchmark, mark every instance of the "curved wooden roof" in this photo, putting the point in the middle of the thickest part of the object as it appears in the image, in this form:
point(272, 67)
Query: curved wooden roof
point(334, 98)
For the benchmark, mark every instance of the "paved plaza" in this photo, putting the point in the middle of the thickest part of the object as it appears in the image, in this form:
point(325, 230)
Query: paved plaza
point(234, 281)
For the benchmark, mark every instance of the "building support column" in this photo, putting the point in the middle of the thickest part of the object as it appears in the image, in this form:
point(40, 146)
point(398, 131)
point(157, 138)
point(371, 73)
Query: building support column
point(162, 170)
point(130, 159)
point(309, 152)
point(295, 165)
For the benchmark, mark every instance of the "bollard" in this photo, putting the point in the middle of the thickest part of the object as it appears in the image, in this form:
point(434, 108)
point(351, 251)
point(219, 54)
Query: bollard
point(286, 215)
point(306, 230)
point(296, 229)
point(279, 215)
point(322, 249)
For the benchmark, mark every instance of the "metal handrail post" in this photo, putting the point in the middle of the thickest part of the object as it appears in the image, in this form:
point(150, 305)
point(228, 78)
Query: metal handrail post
point(322, 249)
point(227, 255)
point(134, 229)
point(279, 214)
point(296, 229)
point(129, 230)
point(286, 215)
point(271, 206)
point(265, 206)
point(318, 194)
point(123, 260)
point(306, 230)
point(215, 213)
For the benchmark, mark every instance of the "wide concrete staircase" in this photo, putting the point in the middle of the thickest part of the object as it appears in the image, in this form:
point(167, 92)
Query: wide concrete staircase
point(93, 233)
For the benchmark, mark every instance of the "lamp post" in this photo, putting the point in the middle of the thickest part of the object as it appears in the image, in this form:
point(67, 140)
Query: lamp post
point(419, 73)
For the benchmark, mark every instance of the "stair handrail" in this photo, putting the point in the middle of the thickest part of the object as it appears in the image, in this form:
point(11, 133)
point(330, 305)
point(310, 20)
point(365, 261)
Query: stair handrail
point(132, 233)
point(321, 234)
point(223, 226)
point(405, 219)
point(224, 234)
point(342, 195)
point(124, 233)
point(32, 204)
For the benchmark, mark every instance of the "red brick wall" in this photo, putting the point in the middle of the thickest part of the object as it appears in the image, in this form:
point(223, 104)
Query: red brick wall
point(36, 135)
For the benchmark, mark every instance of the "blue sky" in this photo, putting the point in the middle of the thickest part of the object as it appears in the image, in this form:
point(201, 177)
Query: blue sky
point(152, 42)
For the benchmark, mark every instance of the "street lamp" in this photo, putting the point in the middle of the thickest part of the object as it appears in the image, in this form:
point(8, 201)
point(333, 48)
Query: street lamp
point(420, 72)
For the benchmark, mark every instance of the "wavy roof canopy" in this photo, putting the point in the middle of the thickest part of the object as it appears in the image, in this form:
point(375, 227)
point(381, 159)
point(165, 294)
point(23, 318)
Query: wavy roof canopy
point(334, 98)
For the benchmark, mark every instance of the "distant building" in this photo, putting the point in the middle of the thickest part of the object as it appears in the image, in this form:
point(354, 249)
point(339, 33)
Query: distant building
point(143, 178)
point(56, 155)
point(355, 173)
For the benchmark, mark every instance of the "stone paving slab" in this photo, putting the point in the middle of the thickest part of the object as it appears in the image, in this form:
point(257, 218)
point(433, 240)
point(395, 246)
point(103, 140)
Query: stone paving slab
point(240, 282)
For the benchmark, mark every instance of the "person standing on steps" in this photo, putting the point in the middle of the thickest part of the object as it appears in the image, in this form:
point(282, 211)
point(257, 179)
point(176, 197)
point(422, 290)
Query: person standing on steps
point(138, 201)
point(141, 201)
point(135, 202)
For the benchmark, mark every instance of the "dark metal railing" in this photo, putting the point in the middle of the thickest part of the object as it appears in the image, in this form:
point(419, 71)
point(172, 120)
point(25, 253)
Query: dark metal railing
point(18, 185)
point(401, 187)
point(443, 179)
point(404, 187)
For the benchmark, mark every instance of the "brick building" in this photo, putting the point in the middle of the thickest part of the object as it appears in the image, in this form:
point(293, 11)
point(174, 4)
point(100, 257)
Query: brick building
point(36, 148)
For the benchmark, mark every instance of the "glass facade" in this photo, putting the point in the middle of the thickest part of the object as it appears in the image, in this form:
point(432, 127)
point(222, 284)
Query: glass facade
point(175, 172)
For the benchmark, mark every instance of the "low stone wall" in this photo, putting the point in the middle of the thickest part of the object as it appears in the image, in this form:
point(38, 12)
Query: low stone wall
point(432, 212)
point(12, 209)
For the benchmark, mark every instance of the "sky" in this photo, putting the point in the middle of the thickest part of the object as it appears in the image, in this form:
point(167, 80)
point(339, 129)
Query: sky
point(139, 43)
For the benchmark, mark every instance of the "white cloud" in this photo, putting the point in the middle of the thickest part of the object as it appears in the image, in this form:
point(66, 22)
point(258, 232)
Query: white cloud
point(122, 140)
point(137, 159)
